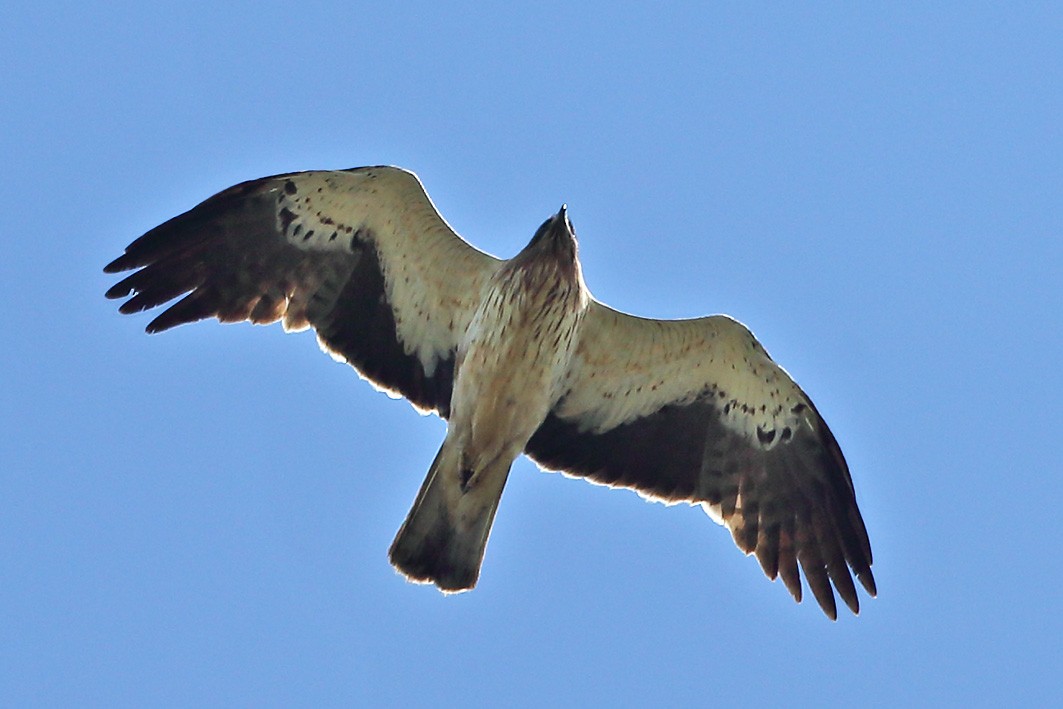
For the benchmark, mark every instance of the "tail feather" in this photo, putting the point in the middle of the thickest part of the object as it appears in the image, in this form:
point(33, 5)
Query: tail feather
point(445, 534)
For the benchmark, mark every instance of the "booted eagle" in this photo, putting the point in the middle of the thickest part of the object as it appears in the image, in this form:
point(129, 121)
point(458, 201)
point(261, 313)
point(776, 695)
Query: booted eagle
point(519, 358)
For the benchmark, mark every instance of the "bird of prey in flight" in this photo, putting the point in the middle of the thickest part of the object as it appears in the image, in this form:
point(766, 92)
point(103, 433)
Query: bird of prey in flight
point(518, 357)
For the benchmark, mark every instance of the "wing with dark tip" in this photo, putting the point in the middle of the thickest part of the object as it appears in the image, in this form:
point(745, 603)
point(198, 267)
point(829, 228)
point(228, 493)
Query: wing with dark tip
point(696, 411)
point(360, 255)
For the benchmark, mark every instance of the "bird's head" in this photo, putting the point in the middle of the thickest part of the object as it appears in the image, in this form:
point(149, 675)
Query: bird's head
point(556, 236)
point(551, 253)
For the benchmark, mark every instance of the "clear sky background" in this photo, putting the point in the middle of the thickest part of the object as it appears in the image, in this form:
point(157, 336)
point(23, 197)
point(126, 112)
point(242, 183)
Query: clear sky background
point(202, 517)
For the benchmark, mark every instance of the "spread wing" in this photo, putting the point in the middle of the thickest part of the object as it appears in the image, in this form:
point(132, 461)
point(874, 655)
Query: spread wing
point(696, 411)
point(360, 255)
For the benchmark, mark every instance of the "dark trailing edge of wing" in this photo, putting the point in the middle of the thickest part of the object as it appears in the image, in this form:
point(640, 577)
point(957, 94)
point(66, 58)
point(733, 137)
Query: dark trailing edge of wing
point(792, 504)
point(233, 263)
point(361, 325)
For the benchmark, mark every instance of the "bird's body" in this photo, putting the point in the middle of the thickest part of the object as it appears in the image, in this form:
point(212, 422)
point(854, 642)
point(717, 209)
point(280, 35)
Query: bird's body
point(510, 368)
point(516, 351)
point(518, 357)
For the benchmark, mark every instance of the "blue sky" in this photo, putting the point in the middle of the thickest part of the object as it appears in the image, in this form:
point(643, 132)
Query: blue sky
point(202, 517)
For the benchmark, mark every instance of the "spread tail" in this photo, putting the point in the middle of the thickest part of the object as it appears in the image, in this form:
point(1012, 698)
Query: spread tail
point(445, 534)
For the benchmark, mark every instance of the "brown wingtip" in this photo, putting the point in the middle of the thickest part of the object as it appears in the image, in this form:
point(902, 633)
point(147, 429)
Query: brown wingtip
point(118, 290)
point(867, 580)
point(825, 598)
